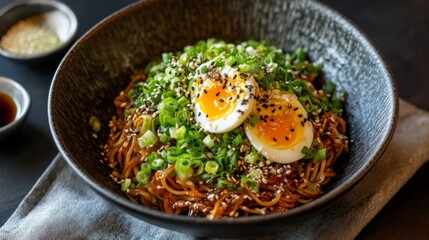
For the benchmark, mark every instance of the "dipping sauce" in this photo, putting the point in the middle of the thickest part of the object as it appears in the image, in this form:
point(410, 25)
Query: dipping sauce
point(30, 36)
point(7, 109)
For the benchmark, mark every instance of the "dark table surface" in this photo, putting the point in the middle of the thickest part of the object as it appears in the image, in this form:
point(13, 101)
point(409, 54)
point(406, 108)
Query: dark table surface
point(400, 28)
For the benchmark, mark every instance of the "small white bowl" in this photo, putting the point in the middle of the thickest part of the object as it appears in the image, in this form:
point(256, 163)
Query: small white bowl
point(22, 101)
point(56, 15)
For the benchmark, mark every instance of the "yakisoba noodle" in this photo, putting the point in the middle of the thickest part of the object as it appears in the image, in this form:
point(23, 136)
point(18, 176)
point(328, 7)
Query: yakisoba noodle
point(162, 157)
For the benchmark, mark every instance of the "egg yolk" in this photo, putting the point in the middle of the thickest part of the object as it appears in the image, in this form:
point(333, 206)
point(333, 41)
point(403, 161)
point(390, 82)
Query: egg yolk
point(218, 98)
point(280, 125)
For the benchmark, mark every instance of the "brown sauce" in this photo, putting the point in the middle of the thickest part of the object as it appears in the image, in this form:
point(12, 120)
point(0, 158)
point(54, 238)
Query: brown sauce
point(7, 109)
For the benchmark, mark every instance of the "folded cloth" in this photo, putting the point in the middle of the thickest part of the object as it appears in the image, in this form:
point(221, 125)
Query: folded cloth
point(62, 206)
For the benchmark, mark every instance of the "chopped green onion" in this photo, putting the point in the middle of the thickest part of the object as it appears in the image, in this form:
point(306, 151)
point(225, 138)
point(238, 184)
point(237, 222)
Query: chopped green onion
point(320, 154)
point(157, 164)
point(255, 174)
point(208, 141)
point(148, 124)
point(204, 69)
point(198, 165)
point(253, 157)
point(164, 138)
point(253, 119)
point(219, 64)
point(145, 168)
point(253, 185)
point(148, 139)
point(95, 123)
point(166, 57)
point(237, 141)
point(211, 167)
point(126, 184)
point(183, 101)
point(183, 168)
point(179, 133)
point(142, 178)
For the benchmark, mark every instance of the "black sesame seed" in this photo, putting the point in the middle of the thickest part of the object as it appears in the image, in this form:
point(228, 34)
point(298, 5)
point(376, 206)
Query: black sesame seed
point(217, 94)
point(302, 123)
point(300, 115)
point(274, 139)
point(192, 88)
point(230, 98)
point(280, 108)
point(273, 111)
point(295, 109)
point(235, 76)
point(221, 100)
point(305, 120)
point(198, 95)
point(287, 139)
point(205, 91)
point(201, 81)
point(259, 109)
point(240, 111)
point(207, 115)
point(292, 130)
point(212, 63)
point(271, 105)
point(265, 105)
point(199, 114)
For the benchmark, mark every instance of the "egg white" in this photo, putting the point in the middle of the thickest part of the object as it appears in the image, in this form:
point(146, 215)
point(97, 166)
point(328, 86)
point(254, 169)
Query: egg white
point(241, 110)
point(286, 155)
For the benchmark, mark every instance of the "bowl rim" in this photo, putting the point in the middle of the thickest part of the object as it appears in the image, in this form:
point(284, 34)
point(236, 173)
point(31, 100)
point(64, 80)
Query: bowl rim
point(321, 202)
point(60, 6)
point(24, 105)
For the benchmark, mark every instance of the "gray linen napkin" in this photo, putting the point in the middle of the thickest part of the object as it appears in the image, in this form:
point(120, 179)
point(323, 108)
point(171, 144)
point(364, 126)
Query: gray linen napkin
point(61, 206)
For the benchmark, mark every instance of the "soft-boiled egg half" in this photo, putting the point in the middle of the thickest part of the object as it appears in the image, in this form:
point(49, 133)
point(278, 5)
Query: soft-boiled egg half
point(283, 128)
point(223, 98)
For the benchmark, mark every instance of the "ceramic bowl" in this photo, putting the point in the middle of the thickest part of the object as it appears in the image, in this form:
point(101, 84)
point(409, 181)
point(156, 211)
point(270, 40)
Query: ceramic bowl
point(99, 66)
point(21, 100)
point(56, 16)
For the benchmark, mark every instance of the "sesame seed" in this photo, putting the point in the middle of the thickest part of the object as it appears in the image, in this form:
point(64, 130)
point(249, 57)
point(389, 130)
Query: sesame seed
point(287, 138)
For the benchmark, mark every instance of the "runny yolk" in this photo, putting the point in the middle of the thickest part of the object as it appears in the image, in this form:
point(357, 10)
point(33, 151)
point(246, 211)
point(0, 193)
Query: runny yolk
point(217, 100)
point(282, 131)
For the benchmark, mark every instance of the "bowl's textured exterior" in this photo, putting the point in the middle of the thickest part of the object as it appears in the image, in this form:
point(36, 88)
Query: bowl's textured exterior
point(98, 67)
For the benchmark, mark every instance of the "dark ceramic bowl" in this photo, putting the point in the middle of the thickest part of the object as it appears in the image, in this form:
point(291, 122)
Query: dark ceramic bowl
point(99, 66)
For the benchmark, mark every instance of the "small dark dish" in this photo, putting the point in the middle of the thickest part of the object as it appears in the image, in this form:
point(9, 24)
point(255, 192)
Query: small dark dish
point(57, 16)
point(99, 66)
point(21, 101)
